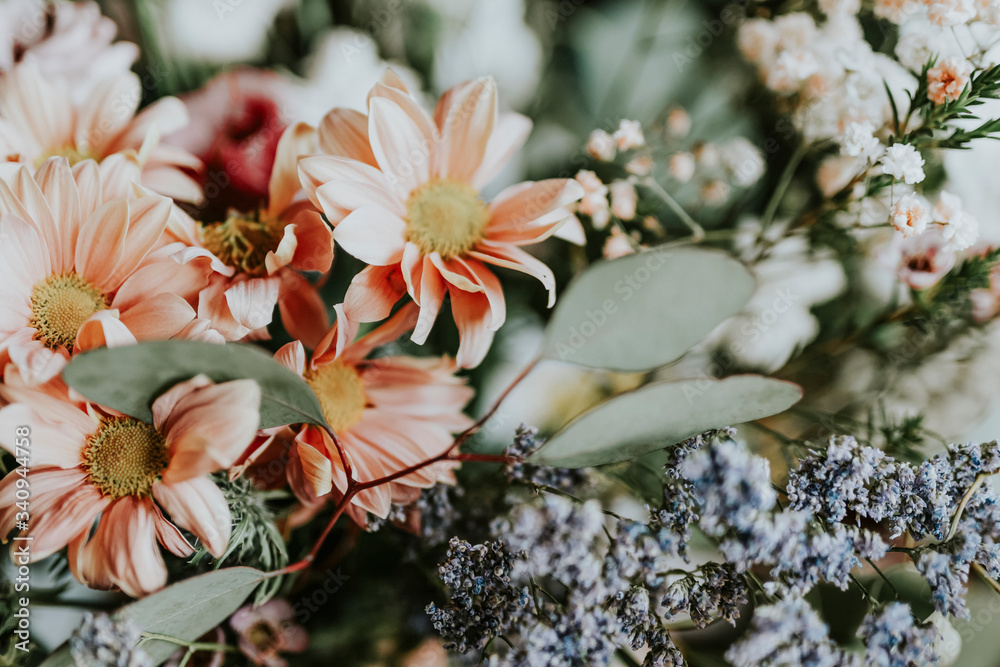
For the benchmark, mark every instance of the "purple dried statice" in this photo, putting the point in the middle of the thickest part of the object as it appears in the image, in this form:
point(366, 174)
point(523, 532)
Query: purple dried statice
point(662, 652)
point(946, 569)
point(733, 487)
point(525, 443)
point(892, 638)
point(788, 632)
point(104, 642)
point(484, 601)
point(832, 483)
point(713, 591)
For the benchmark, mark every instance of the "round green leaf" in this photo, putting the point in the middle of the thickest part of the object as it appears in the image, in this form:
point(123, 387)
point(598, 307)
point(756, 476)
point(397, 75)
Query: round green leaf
point(645, 310)
point(129, 378)
point(661, 414)
point(185, 611)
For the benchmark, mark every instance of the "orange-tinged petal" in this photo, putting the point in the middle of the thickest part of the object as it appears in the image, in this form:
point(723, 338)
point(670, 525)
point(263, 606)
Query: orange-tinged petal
point(432, 291)
point(303, 311)
point(466, 125)
point(512, 257)
point(55, 179)
point(373, 292)
point(159, 317)
point(372, 234)
point(209, 428)
point(391, 330)
point(102, 244)
point(292, 356)
point(472, 316)
point(400, 147)
point(344, 133)
point(297, 140)
point(197, 505)
point(519, 210)
point(509, 134)
point(103, 329)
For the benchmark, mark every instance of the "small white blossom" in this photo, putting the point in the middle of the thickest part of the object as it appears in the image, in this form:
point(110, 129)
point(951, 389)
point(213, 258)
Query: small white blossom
point(744, 161)
point(897, 11)
point(960, 229)
point(840, 7)
point(678, 123)
point(904, 163)
point(859, 140)
point(681, 166)
point(791, 69)
point(595, 199)
point(623, 200)
point(949, 13)
point(629, 135)
point(601, 146)
point(948, 79)
point(640, 165)
point(910, 215)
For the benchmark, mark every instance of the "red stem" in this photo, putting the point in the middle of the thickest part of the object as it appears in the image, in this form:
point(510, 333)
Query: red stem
point(354, 486)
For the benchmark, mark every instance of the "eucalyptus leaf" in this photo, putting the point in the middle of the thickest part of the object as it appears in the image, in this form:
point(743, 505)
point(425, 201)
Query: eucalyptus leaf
point(657, 415)
point(129, 378)
point(645, 310)
point(185, 611)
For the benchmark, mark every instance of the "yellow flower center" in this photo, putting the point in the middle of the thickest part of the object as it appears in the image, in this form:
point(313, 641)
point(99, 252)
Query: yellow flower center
point(243, 242)
point(341, 394)
point(446, 217)
point(124, 457)
point(60, 304)
point(71, 153)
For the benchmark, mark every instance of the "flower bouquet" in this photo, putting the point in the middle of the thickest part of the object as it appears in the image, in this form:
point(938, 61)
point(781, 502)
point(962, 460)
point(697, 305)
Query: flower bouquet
point(430, 332)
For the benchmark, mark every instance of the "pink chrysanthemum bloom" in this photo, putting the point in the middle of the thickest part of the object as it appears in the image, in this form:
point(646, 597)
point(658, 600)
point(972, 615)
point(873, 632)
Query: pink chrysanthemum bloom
point(92, 465)
point(66, 40)
point(389, 413)
point(258, 254)
point(39, 119)
point(403, 190)
point(76, 273)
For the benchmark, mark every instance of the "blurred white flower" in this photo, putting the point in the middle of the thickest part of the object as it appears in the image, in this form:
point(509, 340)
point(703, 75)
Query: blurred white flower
point(743, 160)
point(910, 215)
point(595, 199)
point(859, 140)
point(790, 69)
point(681, 166)
point(222, 31)
point(924, 260)
point(897, 11)
point(960, 230)
point(629, 135)
point(678, 123)
point(949, 13)
point(623, 200)
point(480, 38)
point(757, 40)
point(904, 163)
point(617, 245)
point(340, 72)
point(835, 172)
point(601, 146)
point(777, 321)
point(716, 193)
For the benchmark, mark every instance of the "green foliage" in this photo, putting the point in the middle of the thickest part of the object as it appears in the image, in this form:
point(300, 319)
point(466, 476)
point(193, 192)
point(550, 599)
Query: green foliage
point(951, 296)
point(256, 540)
point(983, 85)
point(185, 611)
point(130, 378)
point(645, 310)
point(658, 415)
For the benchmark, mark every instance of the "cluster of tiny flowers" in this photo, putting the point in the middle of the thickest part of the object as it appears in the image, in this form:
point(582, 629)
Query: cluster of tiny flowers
point(714, 591)
point(525, 443)
point(835, 482)
point(484, 601)
point(104, 642)
point(893, 639)
point(788, 632)
point(437, 513)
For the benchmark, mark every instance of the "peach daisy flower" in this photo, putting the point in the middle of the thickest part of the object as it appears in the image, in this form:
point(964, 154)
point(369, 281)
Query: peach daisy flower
point(78, 273)
point(91, 465)
point(403, 190)
point(389, 413)
point(39, 119)
point(258, 254)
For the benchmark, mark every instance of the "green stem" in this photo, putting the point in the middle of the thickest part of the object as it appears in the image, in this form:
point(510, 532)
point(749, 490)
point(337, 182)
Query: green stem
point(193, 646)
point(782, 187)
point(697, 231)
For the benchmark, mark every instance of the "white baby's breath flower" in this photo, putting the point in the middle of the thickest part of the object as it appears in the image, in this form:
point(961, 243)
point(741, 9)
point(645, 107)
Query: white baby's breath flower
point(791, 69)
point(904, 163)
point(744, 161)
point(960, 230)
point(595, 199)
point(681, 166)
point(678, 123)
point(640, 165)
point(623, 199)
point(859, 140)
point(617, 245)
point(948, 13)
point(836, 172)
point(757, 40)
point(601, 146)
point(629, 135)
point(910, 215)
point(716, 193)
point(840, 7)
point(897, 11)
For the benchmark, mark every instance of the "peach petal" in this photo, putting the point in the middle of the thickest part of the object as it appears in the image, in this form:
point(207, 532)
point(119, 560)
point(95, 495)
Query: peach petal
point(472, 316)
point(509, 135)
point(391, 330)
point(252, 301)
point(400, 147)
point(55, 179)
point(102, 244)
point(103, 329)
point(372, 234)
point(373, 292)
point(292, 356)
point(432, 291)
point(303, 311)
point(159, 317)
point(197, 505)
point(467, 125)
point(511, 257)
point(297, 140)
point(344, 133)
